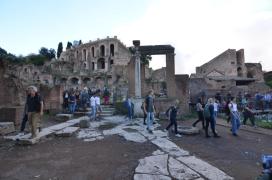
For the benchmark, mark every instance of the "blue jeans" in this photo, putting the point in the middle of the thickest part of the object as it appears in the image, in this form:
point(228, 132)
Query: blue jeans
point(72, 107)
point(150, 119)
point(93, 113)
point(235, 122)
point(130, 112)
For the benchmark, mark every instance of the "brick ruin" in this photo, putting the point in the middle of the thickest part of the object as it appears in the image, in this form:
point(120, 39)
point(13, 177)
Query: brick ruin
point(108, 62)
point(103, 62)
point(225, 73)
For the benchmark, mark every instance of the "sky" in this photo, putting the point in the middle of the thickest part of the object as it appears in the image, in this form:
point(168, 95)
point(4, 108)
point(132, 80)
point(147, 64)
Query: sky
point(198, 29)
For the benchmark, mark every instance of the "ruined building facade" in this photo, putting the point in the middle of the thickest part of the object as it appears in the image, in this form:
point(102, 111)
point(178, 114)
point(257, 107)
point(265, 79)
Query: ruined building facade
point(225, 73)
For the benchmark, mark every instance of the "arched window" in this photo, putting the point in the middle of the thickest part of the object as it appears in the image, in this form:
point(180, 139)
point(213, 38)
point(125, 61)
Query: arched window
point(102, 50)
point(112, 50)
point(84, 55)
point(239, 72)
point(74, 80)
point(92, 51)
point(92, 65)
point(101, 63)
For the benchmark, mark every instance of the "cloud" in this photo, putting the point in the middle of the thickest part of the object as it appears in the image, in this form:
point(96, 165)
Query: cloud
point(201, 29)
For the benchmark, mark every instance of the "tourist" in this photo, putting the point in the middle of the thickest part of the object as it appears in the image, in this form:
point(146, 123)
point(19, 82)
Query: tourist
point(149, 109)
point(209, 118)
point(93, 107)
point(267, 100)
point(235, 118)
point(145, 115)
point(97, 103)
point(129, 106)
point(84, 98)
point(216, 106)
point(199, 109)
point(227, 111)
point(72, 102)
point(34, 110)
point(106, 95)
point(77, 94)
point(172, 114)
point(65, 99)
point(249, 114)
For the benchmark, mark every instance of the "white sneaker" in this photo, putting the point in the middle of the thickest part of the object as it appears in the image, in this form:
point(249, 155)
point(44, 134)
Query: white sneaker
point(178, 135)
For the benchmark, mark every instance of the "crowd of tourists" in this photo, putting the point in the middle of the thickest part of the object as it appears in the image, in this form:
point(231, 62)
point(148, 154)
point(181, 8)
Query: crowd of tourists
point(76, 99)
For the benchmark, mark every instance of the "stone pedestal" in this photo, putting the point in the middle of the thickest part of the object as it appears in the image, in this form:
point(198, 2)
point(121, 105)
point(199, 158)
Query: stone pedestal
point(138, 112)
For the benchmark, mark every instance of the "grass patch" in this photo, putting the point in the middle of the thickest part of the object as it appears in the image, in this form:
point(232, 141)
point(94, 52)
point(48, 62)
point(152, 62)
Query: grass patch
point(264, 124)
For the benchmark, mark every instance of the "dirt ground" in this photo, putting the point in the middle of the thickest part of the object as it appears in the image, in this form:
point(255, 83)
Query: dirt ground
point(115, 158)
point(72, 159)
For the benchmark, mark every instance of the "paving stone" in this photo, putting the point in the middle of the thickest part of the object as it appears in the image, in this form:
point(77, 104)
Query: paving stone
point(158, 152)
point(150, 177)
point(133, 136)
point(68, 131)
point(169, 147)
point(84, 123)
point(180, 171)
point(64, 117)
point(203, 168)
point(153, 165)
point(6, 128)
point(188, 130)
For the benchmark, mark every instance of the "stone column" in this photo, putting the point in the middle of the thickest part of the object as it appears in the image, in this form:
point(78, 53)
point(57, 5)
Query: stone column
point(106, 65)
point(138, 93)
point(95, 66)
point(170, 75)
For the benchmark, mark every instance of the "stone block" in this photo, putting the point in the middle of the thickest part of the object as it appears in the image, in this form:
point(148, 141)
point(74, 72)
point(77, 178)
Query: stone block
point(12, 114)
point(84, 123)
point(66, 132)
point(6, 128)
point(63, 117)
point(188, 130)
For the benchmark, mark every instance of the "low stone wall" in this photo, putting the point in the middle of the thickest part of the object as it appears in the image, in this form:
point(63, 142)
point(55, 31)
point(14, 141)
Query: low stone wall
point(12, 114)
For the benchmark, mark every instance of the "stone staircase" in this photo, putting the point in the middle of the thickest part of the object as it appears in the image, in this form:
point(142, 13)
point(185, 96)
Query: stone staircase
point(107, 110)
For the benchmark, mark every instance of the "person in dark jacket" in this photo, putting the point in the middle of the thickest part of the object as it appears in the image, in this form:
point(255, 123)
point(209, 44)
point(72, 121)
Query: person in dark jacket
point(172, 114)
point(209, 118)
point(199, 109)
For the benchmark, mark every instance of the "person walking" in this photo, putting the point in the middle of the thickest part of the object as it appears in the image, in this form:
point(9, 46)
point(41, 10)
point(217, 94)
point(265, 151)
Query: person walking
point(25, 117)
point(249, 114)
point(93, 107)
point(200, 110)
point(34, 110)
point(235, 118)
point(145, 115)
point(98, 104)
point(72, 102)
point(172, 114)
point(209, 118)
point(149, 109)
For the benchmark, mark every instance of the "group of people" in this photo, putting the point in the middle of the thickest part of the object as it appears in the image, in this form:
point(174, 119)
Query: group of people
point(76, 99)
point(33, 111)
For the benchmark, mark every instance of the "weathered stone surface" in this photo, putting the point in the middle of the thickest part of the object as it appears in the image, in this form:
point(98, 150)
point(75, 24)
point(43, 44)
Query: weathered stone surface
point(66, 132)
point(188, 130)
point(203, 168)
point(135, 137)
point(180, 171)
point(169, 147)
point(64, 117)
point(157, 152)
point(150, 177)
point(6, 127)
point(153, 165)
point(84, 123)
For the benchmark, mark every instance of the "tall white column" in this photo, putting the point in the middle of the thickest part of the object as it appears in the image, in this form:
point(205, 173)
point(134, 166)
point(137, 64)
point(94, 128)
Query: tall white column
point(138, 93)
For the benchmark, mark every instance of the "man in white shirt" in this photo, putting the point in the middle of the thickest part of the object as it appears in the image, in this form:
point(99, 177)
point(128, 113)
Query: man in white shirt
point(97, 103)
point(93, 107)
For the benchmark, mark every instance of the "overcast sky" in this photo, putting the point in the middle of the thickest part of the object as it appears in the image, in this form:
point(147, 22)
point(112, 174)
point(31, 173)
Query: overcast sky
point(198, 29)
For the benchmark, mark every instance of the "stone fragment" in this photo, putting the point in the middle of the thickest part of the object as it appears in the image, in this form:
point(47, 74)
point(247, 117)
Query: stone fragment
point(203, 168)
point(6, 128)
point(150, 177)
point(84, 123)
point(66, 132)
point(153, 165)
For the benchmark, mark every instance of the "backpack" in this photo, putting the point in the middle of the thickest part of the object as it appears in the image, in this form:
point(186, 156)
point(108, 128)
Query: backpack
point(207, 113)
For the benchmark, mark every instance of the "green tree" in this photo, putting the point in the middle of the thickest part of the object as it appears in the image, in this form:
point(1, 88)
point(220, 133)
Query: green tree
point(80, 42)
point(49, 54)
point(69, 45)
point(60, 48)
point(145, 59)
